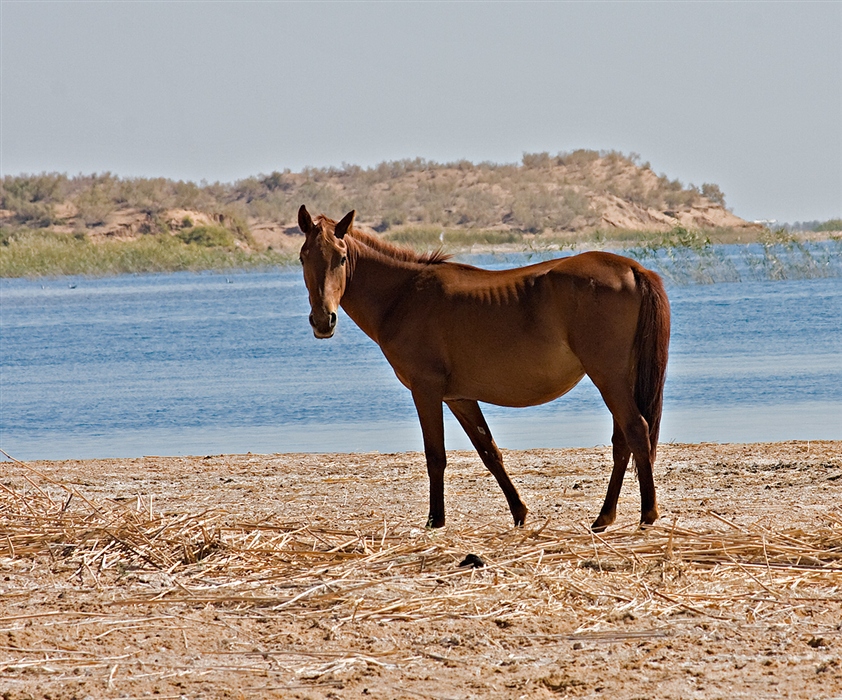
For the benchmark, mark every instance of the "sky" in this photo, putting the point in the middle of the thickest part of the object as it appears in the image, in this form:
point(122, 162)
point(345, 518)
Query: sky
point(747, 95)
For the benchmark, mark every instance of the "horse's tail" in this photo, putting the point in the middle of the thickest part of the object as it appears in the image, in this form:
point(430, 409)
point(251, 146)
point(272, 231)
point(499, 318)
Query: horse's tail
point(651, 341)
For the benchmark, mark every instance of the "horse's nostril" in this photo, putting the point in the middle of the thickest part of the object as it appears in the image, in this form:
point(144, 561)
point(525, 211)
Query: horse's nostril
point(332, 319)
point(311, 321)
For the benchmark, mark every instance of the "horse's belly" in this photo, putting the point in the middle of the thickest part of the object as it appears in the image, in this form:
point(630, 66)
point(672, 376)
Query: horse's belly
point(527, 379)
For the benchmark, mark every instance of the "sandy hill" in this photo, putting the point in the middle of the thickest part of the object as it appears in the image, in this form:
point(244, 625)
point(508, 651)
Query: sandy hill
point(570, 193)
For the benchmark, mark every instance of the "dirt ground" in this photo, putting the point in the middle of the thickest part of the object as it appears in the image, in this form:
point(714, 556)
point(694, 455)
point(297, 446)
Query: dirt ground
point(312, 576)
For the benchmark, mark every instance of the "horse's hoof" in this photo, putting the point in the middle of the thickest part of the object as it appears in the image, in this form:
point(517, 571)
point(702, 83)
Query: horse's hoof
point(602, 522)
point(520, 519)
point(434, 524)
point(649, 517)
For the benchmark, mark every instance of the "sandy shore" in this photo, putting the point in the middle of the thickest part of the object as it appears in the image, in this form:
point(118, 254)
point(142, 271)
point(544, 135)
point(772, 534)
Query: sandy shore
point(312, 576)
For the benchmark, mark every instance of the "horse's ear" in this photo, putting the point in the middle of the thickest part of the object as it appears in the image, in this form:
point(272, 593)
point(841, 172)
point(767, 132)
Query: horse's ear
point(345, 225)
point(305, 223)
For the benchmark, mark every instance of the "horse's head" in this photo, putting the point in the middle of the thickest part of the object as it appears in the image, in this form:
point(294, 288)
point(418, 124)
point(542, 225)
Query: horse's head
point(324, 259)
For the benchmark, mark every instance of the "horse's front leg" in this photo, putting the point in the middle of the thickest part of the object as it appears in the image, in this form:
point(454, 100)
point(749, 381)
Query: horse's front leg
point(470, 417)
point(431, 415)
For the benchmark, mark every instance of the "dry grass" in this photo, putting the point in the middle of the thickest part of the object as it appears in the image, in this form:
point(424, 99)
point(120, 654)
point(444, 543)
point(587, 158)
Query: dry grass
point(384, 571)
point(329, 572)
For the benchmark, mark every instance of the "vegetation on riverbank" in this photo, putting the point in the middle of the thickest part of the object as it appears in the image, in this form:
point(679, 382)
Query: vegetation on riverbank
point(685, 256)
point(38, 253)
point(681, 255)
point(101, 224)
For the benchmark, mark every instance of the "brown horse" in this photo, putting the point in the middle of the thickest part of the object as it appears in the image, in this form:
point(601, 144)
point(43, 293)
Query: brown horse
point(458, 334)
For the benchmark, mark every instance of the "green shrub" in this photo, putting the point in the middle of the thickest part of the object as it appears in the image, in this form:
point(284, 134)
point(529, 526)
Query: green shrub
point(537, 160)
point(678, 237)
point(713, 193)
point(829, 225)
point(207, 236)
point(579, 158)
point(32, 198)
point(94, 205)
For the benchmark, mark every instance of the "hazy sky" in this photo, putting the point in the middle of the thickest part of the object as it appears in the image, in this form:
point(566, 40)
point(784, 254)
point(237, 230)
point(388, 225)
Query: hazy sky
point(747, 95)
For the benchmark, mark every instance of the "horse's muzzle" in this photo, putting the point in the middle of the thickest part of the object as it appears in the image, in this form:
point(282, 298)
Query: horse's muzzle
point(326, 329)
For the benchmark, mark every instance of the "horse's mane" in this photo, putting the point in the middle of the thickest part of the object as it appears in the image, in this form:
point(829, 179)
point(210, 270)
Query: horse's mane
point(389, 250)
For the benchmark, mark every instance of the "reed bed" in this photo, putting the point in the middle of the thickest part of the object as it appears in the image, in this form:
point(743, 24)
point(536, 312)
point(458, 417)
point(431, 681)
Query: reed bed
point(373, 569)
point(690, 257)
point(37, 253)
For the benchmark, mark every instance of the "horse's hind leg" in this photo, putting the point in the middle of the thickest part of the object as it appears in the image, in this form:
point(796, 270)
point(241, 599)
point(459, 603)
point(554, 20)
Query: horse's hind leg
point(470, 417)
point(622, 453)
point(619, 398)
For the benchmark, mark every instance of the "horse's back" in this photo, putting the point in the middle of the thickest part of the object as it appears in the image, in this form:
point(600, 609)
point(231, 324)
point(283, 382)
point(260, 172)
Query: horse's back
point(512, 337)
point(594, 268)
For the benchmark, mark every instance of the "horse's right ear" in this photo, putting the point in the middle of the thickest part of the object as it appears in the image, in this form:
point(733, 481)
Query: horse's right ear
point(305, 223)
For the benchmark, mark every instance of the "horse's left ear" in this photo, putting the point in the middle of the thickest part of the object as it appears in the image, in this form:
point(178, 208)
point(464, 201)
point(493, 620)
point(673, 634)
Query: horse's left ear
point(345, 225)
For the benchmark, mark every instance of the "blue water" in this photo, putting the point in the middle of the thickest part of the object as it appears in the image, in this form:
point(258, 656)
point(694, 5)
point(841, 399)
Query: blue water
point(211, 363)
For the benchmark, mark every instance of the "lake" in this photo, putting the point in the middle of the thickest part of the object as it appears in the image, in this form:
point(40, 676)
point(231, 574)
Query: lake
point(226, 363)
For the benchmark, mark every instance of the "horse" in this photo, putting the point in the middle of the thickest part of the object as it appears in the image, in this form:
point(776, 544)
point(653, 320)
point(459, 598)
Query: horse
point(456, 334)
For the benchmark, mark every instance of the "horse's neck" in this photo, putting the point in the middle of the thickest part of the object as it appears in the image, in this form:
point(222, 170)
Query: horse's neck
point(373, 286)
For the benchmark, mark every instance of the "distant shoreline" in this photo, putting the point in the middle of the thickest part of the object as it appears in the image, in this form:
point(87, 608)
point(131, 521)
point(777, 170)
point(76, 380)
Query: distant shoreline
point(53, 224)
point(38, 254)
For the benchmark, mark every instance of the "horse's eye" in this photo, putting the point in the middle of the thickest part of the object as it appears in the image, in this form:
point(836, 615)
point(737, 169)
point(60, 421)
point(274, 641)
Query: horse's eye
point(343, 260)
